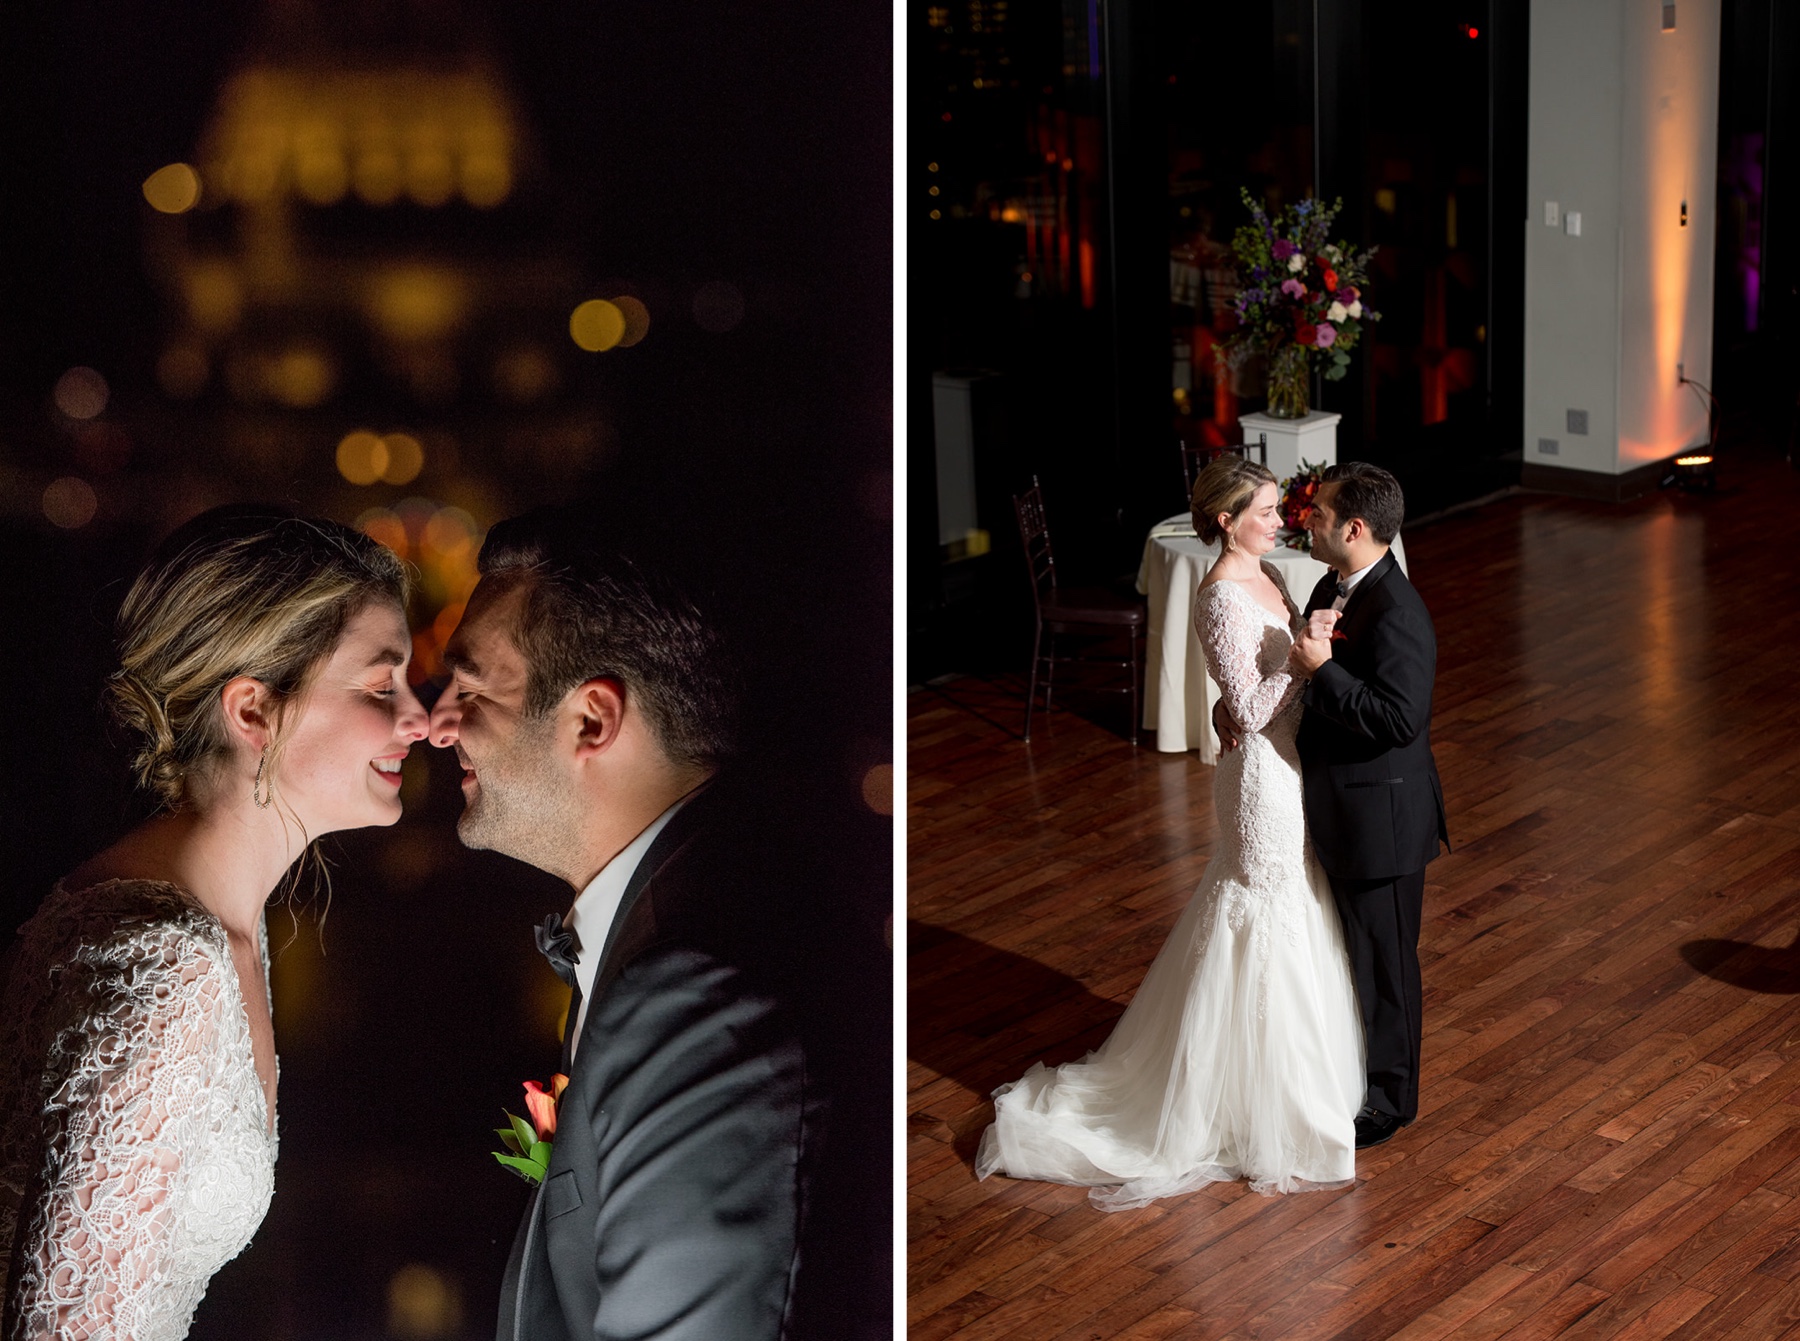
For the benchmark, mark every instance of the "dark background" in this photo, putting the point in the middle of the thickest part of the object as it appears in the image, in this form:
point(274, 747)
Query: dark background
point(670, 147)
point(1128, 129)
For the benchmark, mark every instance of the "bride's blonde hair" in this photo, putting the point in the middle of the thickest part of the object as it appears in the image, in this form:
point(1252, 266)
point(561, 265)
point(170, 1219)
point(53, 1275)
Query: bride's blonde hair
point(1226, 486)
point(236, 591)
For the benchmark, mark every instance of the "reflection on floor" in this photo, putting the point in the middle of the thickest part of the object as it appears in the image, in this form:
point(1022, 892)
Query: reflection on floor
point(1610, 1141)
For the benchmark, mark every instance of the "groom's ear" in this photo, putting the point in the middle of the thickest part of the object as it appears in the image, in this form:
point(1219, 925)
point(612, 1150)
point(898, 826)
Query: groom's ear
point(600, 708)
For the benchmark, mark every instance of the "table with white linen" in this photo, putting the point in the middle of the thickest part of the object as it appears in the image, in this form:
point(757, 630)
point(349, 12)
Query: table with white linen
point(1178, 693)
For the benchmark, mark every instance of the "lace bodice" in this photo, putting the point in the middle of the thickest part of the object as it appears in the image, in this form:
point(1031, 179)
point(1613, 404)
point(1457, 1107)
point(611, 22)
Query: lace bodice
point(136, 1150)
point(1246, 648)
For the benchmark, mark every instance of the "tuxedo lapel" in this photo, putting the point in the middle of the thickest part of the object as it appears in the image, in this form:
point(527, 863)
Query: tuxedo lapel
point(1354, 601)
point(528, 1310)
point(633, 925)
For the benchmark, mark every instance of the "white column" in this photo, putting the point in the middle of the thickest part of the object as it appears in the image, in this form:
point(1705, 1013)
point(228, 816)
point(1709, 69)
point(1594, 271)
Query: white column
point(1291, 441)
point(1623, 132)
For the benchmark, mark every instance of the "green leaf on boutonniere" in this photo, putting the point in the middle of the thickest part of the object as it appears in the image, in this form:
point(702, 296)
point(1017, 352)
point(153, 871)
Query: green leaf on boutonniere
point(540, 1152)
point(526, 1133)
point(528, 1169)
point(510, 1139)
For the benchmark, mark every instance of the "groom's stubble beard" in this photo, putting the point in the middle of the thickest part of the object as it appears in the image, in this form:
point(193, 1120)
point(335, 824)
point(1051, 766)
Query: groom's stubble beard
point(522, 807)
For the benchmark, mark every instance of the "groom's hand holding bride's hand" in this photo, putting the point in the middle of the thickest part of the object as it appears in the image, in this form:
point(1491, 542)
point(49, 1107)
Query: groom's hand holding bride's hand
point(1312, 649)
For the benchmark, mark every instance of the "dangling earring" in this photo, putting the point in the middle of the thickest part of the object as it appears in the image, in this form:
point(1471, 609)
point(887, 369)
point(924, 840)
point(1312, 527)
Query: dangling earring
point(258, 793)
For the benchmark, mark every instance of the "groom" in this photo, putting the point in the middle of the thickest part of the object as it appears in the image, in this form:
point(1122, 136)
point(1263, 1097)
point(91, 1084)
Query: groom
point(1374, 806)
point(591, 712)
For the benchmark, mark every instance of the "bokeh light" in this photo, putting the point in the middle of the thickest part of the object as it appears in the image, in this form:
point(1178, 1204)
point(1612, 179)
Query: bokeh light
point(486, 179)
point(215, 295)
point(385, 527)
point(417, 302)
point(878, 789)
point(719, 306)
point(182, 370)
point(637, 320)
point(597, 325)
point(301, 376)
point(362, 456)
point(450, 533)
point(377, 176)
point(81, 393)
point(405, 458)
point(430, 176)
point(70, 503)
point(423, 1304)
point(174, 189)
point(527, 373)
point(320, 174)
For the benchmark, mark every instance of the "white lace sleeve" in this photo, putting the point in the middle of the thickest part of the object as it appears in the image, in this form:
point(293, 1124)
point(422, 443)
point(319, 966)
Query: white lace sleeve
point(1232, 634)
point(129, 1068)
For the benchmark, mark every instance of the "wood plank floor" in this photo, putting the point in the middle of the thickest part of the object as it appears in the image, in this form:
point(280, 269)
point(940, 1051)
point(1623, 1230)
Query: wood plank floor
point(1609, 1141)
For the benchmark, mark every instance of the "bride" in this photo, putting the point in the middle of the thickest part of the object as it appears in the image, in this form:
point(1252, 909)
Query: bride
point(1241, 1055)
point(263, 673)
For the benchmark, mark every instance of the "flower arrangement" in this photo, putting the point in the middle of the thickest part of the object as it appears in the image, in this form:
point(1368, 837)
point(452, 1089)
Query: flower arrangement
point(1298, 294)
point(1297, 494)
point(528, 1144)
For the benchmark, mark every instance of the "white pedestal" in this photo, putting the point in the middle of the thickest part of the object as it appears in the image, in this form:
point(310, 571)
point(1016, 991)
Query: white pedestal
point(1291, 441)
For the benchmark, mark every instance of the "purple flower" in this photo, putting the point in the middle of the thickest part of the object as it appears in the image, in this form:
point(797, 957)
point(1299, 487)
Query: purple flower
point(1293, 288)
point(1327, 335)
point(1282, 249)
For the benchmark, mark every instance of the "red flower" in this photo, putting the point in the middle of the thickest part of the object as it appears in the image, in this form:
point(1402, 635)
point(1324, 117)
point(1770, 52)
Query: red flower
point(1305, 333)
point(542, 1105)
point(1330, 279)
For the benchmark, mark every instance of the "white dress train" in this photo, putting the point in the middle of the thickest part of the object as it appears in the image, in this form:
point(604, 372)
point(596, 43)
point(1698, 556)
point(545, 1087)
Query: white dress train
point(1241, 1054)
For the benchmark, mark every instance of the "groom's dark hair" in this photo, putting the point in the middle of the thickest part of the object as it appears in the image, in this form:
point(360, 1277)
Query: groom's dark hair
point(592, 611)
point(1368, 492)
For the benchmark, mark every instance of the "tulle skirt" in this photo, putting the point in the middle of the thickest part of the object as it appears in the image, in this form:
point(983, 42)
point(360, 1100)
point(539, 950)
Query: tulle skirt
point(1240, 1057)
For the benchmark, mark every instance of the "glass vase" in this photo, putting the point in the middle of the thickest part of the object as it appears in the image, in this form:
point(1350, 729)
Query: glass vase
point(1289, 382)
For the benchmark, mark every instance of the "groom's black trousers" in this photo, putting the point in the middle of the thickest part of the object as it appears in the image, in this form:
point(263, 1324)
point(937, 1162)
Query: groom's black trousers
point(1381, 931)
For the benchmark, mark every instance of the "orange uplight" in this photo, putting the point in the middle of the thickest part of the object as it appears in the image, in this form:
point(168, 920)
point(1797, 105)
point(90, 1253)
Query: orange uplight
point(1693, 460)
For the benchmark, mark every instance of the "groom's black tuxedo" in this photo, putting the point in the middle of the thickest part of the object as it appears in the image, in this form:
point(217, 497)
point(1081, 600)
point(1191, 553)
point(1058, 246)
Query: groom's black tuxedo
point(684, 1200)
point(1375, 808)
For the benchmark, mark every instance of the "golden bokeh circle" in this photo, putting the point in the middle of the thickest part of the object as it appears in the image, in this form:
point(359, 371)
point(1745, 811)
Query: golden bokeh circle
point(597, 325)
point(405, 458)
point(362, 457)
point(173, 189)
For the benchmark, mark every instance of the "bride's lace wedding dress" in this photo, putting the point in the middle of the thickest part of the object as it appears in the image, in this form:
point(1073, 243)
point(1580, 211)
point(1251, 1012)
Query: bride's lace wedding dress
point(1241, 1054)
point(137, 1154)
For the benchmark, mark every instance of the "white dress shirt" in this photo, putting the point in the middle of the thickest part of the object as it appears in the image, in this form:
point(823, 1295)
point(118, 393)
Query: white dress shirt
point(1348, 584)
point(596, 906)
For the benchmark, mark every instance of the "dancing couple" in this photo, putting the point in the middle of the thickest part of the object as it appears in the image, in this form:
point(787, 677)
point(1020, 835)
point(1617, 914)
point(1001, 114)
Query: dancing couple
point(1278, 1030)
point(263, 676)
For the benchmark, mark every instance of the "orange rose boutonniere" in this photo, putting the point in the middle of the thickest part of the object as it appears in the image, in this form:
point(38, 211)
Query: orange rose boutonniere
point(528, 1144)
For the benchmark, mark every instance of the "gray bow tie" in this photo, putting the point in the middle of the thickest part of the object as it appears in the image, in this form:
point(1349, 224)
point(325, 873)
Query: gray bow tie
point(557, 944)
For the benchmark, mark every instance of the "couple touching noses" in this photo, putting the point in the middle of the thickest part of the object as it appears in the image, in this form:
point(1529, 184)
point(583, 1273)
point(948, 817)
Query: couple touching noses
point(698, 1185)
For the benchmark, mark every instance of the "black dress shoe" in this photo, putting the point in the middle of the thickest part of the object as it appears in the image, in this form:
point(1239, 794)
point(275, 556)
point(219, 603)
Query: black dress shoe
point(1372, 1128)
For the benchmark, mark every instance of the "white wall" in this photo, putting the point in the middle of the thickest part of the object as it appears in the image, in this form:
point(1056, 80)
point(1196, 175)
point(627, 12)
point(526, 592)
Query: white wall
point(1623, 128)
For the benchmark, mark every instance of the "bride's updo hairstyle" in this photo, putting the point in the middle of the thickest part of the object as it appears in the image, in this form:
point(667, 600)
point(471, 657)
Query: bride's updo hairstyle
point(240, 590)
point(1226, 485)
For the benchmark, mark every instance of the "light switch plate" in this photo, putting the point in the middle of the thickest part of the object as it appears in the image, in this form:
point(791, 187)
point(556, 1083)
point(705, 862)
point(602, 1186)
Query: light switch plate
point(1572, 223)
point(1552, 214)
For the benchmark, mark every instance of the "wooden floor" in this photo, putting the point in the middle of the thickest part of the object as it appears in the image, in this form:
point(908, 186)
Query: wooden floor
point(1609, 1139)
